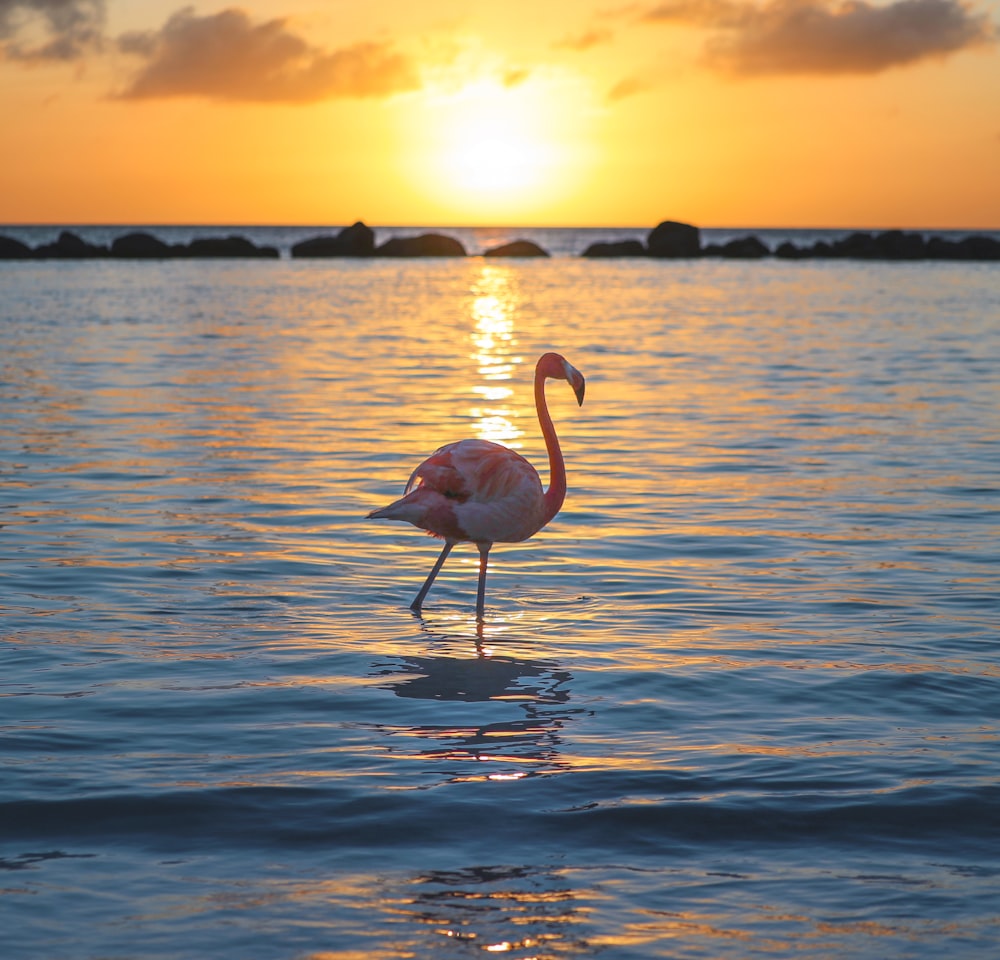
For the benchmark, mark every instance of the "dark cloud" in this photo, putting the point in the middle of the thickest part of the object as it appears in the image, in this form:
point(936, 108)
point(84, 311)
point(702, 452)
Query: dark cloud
point(37, 30)
point(227, 57)
point(816, 36)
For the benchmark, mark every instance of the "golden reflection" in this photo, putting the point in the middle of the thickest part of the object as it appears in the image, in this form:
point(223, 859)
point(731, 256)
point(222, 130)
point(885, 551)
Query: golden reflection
point(500, 909)
point(494, 303)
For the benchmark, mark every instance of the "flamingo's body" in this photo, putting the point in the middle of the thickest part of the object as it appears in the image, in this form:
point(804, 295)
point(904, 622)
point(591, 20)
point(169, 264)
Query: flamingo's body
point(481, 492)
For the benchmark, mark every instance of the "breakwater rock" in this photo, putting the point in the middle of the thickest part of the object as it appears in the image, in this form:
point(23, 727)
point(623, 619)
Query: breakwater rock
point(895, 245)
point(517, 248)
point(616, 248)
point(426, 245)
point(133, 246)
point(357, 240)
point(672, 239)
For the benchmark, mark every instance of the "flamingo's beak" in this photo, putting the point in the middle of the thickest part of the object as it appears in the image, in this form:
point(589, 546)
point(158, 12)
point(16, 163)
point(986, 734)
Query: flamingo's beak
point(578, 388)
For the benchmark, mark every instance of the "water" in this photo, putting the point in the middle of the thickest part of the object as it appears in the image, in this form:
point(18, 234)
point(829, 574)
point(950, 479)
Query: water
point(740, 699)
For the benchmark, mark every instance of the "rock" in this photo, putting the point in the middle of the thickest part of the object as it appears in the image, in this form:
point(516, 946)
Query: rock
point(357, 240)
point(426, 245)
point(744, 248)
point(788, 251)
point(896, 245)
point(141, 246)
point(940, 249)
point(232, 246)
point(819, 249)
point(673, 239)
point(11, 249)
point(615, 248)
point(70, 247)
point(517, 248)
point(978, 247)
point(858, 245)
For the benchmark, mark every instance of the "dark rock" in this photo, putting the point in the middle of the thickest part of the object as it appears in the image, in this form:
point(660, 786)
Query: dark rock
point(857, 246)
point(70, 247)
point(896, 245)
point(11, 249)
point(940, 249)
point(426, 245)
point(978, 247)
point(820, 249)
point(517, 248)
point(357, 240)
point(141, 246)
point(788, 251)
point(745, 248)
point(616, 248)
point(232, 246)
point(673, 239)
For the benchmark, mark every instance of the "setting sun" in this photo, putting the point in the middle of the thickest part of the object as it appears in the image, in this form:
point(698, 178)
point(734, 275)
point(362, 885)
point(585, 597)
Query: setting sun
point(489, 153)
point(493, 145)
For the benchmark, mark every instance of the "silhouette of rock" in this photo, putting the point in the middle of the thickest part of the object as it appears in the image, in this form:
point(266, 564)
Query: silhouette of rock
point(979, 248)
point(673, 239)
point(11, 249)
point(426, 245)
point(70, 247)
point(897, 245)
point(974, 247)
point(141, 246)
point(517, 248)
point(858, 245)
point(615, 248)
point(232, 246)
point(357, 240)
point(788, 251)
point(742, 248)
point(819, 249)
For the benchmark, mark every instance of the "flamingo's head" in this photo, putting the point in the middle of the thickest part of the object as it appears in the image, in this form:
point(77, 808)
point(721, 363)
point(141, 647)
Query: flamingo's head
point(559, 368)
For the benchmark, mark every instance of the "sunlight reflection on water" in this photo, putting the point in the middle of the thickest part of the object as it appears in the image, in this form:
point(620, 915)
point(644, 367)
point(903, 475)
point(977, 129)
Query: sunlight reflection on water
point(494, 310)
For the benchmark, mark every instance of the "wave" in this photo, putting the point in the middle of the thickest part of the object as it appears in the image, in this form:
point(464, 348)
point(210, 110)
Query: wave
point(936, 816)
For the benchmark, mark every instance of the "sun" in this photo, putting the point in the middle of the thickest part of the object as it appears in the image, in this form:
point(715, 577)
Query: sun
point(493, 154)
point(496, 155)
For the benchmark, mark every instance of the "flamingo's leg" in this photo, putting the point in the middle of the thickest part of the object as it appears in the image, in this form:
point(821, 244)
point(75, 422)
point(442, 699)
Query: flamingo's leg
point(484, 552)
point(419, 600)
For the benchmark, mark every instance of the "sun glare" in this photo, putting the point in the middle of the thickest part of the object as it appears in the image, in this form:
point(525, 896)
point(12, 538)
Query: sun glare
point(494, 153)
point(496, 158)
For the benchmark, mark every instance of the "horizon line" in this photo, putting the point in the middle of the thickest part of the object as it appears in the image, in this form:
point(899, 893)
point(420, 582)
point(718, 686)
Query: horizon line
point(326, 225)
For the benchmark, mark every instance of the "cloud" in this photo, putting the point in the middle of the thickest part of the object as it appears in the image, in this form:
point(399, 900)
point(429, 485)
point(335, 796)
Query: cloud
point(40, 30)
point(586, 40)
point(225, 56)
point(515, 76)
point(817, 36)
point(628, 87)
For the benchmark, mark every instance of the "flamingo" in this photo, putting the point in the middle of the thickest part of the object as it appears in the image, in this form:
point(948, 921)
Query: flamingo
point(484, 493)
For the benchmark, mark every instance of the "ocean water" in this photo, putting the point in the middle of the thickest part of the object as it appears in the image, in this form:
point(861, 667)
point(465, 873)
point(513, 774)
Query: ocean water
point(740, 699)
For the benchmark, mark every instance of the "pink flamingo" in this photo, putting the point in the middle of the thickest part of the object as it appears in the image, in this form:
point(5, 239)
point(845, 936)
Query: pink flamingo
point(482, 492)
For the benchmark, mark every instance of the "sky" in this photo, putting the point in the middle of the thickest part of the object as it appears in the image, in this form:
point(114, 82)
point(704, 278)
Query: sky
point(723, 113)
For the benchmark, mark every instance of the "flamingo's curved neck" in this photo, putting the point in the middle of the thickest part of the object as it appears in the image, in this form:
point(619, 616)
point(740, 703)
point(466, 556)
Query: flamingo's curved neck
point(556, 493)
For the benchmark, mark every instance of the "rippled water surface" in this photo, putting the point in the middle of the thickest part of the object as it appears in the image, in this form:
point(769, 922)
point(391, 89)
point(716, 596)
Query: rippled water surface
point(740, 698)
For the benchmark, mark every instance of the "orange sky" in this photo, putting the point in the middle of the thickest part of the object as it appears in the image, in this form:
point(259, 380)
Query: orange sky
point(564, 112)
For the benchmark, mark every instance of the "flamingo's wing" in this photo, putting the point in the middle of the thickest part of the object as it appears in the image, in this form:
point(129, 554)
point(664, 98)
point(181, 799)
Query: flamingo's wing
point(477, 471)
